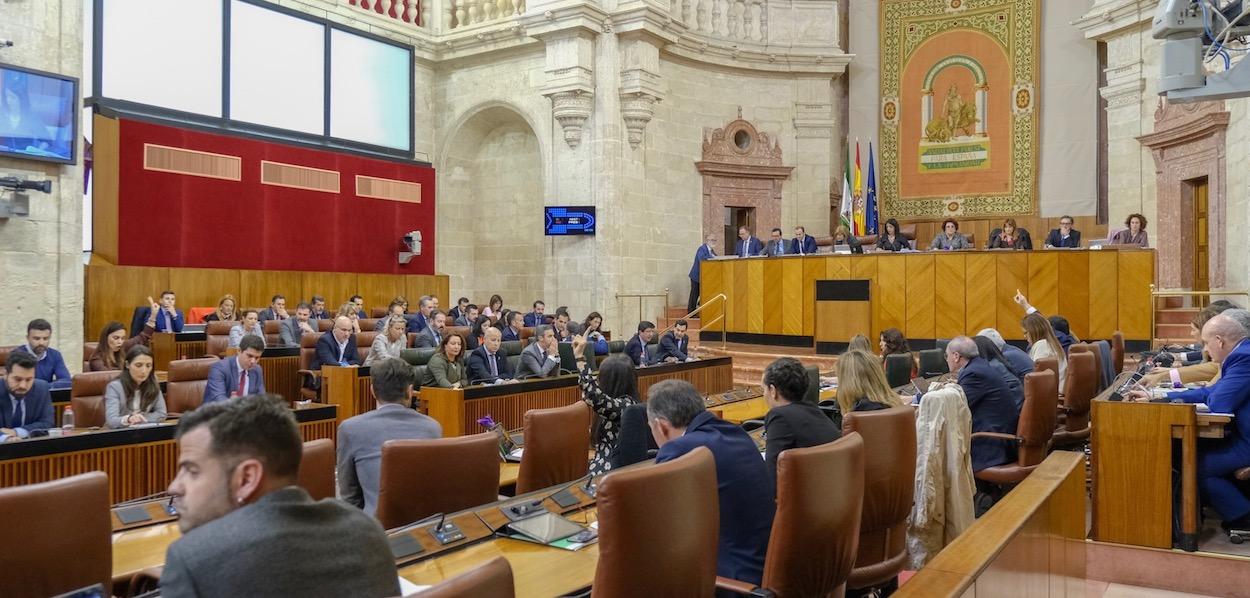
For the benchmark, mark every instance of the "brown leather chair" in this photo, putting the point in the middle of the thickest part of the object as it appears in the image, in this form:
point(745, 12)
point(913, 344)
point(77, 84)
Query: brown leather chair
point(889, 485)
point(86, 396)
point(378, 312)
point(364, 344)
point(492, 580)
point(4, 353)
point(217, 337)
point(307, 351)
point(273, 332)
point(70, 513)
point(88, 350)
point(184, 388)
point(812, 547)
point(1047, 363)
point(1117, 352)
point(557, 442)
point(367, 324)
point(422, 477)
point(650, 551)
point(1080, 383)
point(316, 468)
point(1033, 430)
point(325, 325)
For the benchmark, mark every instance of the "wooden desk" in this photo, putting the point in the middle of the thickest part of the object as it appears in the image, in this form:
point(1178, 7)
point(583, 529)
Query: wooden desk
point(537, 571)
point(168, 346)
point(707, 375)
point(1132, 459)
point(737, 405)
point(350, 389)
point(280, 369)
point(458, 409)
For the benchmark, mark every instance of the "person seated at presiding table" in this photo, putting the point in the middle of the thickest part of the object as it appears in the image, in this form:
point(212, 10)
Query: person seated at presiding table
point(168, 317)
point(636, 348)
point(227, 311)
point(892, 238)
point(1011, 237)
point(391, 343)
point(1065, 235)
point(841, 236)
point(1043, 344)
point(516, 321)
point(1203, 371)
point(989, 399)
point(802, 243)
point(25, 401)
point(680, 423)
point(747, 245)
point(862, 385)
point(237, 496)
point(1018, 361)
point(394, 310)
point(949, 238)
point(432, 335)
point(1135, 234)
point(990, 353)
point(291, 330)
point(616, 389)
point(336, 346)
point(49, 364)
point(360, 438)
point(276, 309)
point(777, 245)
point(485, 362)
point(134, 397)
point(541, 358)
point(418, 321)
point(892, 342)
point(675, 344)
point(1224, 337)
point(791, 422)
point(537, 317)
point(249, 326)
point(110, 352)
point(447, 368)
point(239, 375)
point(318, 304)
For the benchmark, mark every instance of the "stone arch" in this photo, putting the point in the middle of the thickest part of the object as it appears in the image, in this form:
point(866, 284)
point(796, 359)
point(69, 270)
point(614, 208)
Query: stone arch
point(982, 90)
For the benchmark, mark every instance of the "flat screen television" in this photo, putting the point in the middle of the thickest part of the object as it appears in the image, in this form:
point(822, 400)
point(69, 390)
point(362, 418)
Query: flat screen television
point(569, 220)
point(38, 115)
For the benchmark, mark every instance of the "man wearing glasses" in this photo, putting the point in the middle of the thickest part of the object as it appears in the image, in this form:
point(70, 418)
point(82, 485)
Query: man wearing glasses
point(1064, 236)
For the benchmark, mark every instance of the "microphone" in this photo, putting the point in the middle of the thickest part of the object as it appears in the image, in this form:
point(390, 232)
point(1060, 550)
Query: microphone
point(1164, 359)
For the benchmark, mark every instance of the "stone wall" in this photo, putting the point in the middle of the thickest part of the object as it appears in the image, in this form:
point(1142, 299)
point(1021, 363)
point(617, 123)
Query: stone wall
point(41, 260)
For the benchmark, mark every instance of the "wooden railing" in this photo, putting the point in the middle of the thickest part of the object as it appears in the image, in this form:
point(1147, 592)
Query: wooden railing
point(1206, 295)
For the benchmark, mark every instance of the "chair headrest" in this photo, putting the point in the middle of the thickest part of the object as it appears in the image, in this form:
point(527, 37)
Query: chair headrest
point(89, 384)
point(184, 370)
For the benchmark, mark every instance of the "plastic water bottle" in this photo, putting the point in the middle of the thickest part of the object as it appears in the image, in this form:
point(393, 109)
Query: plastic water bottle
point(67, 419)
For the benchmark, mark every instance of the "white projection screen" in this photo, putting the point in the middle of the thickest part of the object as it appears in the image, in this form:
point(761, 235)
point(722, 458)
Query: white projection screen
point(370, 89)
point(165, 54)
point(277, 69)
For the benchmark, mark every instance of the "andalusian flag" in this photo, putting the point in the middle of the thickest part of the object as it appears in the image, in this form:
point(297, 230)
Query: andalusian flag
point(870, 200)
point(845, 212)
point(859, 195)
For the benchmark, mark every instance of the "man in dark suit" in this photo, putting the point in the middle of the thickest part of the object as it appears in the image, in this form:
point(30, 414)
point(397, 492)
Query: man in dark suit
point(1064, 236)
point(777, 246)
point(337, 346)
point(512, 332)
point(168, 318)
point(396, 309)
point(360, 438)
point(359, 303)
point(238, 376)
point(674, 344)
point(236, 487)
point(459, 311)
point(418, 321)
point(486, 364)
point(989, 399)
point(680, 424)
point(636, 348)
point(291, 330)
point(791, 423)
point(318, 304)
point(747, 244)
point(541, 358)
point(802, 244)
point(276, 309)
point(25, 403)
point(537, 317)
point(705, 251)
point(433, 334)
point(560, 326)
point(49, 364)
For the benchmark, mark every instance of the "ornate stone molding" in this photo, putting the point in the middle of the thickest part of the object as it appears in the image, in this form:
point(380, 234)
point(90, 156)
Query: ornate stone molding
point(741, 167)
point(814, 120)
point(637, 110)
point(1124, 94)
point(1106, 18)
point(571, 109)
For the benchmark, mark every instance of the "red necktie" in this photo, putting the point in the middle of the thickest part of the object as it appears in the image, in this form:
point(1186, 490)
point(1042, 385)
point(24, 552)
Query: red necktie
point(242, 383)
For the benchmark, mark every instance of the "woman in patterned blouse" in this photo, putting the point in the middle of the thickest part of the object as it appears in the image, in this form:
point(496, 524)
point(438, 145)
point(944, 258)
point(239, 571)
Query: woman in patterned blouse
point(619, 390)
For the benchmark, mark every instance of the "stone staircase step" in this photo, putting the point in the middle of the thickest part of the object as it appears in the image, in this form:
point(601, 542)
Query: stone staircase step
point(1173, 330)
point(1176, 316)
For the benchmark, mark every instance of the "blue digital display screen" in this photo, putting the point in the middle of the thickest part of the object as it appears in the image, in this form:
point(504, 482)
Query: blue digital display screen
point(38, 115)
point(569, 220)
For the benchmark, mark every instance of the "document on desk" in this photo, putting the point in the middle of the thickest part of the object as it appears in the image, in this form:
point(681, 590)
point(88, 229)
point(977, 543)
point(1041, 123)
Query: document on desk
point(407, 588)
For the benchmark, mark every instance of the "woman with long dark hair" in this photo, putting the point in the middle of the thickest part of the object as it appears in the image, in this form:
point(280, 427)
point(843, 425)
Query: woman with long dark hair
point(892, 342)
point(134, 397)
point(616, 389)
point(892, 238)
point(111, 351)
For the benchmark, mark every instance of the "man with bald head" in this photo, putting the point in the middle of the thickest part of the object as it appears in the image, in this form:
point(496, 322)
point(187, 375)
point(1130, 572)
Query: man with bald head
point(486, 364)
point(337, 346)
point(1224, 337)
point(989, 399)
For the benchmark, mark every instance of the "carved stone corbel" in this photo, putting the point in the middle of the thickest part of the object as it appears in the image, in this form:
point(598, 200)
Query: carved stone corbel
point(571, 109)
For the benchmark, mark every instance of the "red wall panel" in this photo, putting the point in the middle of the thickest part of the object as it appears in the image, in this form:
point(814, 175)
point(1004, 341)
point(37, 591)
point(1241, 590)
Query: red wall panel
point(178, 220)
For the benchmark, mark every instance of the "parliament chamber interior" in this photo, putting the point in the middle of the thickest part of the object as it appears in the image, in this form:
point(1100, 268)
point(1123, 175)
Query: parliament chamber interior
point(541, 298)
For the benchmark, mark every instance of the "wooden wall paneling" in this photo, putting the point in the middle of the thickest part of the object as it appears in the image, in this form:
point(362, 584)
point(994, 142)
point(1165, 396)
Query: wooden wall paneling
point(113, 292)
point(336, 287)
point(773, 305)
point(711, 284)
point(509, 410)
point(864, 267)
point(981, 294)
point(416, 286)
point(1131, 465)
point(838, 267)
point(1044, 281)
point(948, 296)
point(379, 289)
point(755, 296)
point(203, 287)
point(281, 376)
point(1103, 294)
point(919, 296)
point(1074, 291)
point(1136, 271)
point(257, 287)
point(792, 305)
point(1038, 229)
point(741, 289)
point(891, 297)
point(106, 139)
point(1012, 274)
point(813, 270)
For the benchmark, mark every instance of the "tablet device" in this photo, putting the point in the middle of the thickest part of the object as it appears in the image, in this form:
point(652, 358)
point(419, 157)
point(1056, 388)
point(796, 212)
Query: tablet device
point(545, 528)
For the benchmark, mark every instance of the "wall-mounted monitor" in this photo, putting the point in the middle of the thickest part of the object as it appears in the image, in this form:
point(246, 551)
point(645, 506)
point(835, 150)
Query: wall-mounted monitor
point(38, 115)
point(569, 220)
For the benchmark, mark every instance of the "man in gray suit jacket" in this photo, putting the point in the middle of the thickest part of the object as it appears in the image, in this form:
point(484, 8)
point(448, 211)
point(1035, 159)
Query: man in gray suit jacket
point(542, 357)
point(432, 335)
point(292, 329)
point(361, 437)
point(236, 493)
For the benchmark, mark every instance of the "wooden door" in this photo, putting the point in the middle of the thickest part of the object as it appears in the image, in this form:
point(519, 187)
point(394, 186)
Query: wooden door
point(1201, 260)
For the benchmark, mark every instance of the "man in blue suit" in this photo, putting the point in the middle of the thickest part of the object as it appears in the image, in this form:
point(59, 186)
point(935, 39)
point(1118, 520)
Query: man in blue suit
point(1224, 337)
point(636, 348)
point(991, 403)
point(49, 364)
point(680, 424)
point(418, 321)
point(675, 344)
point(537, 317)
point(239, 375)
point(486, 363)
point(516, 321)
point(25, 403)
point(747, 244)
point(802, 244)
point(337, 346)
point(1064, 236)
point(706, 251)
point(168, 318)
